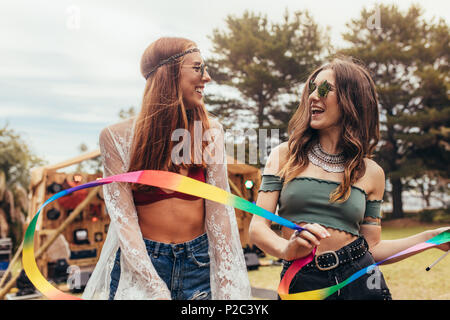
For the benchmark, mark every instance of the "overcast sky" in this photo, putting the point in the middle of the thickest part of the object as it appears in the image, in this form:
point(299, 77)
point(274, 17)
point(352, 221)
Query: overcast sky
point(68, 67)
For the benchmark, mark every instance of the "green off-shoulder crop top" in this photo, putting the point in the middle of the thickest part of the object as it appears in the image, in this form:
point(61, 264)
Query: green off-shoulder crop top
point(306, 199)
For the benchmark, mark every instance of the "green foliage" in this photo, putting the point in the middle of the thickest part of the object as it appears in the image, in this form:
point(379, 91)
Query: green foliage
point(435, 215)
point(92, 166)
point(127, 113)
point(408, 59)
point(16, 158)
point(266, 62)
point(426, 216)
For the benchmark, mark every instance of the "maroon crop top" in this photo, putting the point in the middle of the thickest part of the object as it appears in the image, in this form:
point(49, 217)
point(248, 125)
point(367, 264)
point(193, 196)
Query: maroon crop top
point(143, 198)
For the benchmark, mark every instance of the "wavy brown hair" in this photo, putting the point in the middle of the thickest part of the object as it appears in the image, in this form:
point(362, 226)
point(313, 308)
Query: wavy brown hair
point(358, 102)
point(164, 111)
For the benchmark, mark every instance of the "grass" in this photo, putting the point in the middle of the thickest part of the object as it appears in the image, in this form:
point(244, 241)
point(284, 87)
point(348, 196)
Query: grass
point(406, 279)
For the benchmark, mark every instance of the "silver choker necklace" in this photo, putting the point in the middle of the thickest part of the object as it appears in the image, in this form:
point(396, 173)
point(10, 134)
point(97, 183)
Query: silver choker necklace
point(326, 161)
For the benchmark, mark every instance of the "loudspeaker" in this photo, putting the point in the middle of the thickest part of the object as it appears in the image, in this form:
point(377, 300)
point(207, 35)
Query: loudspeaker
point(24, 285)
point(57, 271)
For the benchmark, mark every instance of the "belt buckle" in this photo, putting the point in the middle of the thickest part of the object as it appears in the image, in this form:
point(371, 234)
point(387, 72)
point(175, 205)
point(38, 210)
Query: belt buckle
point(329, 267)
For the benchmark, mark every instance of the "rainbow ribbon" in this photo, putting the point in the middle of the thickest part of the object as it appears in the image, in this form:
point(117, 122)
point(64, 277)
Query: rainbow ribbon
point(160, 179)
point(180, 183)
point(319, 294)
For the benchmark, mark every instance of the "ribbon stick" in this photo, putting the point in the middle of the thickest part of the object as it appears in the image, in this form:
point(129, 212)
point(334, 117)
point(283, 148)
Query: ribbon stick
point(183, 184)
point(319, 294)
point(160, 179)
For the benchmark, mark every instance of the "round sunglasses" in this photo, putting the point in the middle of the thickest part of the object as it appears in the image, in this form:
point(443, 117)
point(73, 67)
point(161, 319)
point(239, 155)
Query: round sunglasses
point(199, 68)
point(322, 89)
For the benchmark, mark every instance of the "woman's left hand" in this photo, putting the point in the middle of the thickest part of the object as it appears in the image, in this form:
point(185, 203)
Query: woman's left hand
point(444, 246)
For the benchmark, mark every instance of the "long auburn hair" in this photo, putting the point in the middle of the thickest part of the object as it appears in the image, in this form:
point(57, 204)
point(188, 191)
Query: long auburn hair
point(164, 111)
point(358, 102)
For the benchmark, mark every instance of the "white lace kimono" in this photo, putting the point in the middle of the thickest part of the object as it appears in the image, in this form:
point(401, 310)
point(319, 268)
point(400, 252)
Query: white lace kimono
point(138, 277)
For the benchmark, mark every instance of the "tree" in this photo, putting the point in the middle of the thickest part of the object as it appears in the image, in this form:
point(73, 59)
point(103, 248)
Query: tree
point(432, 188)
point(95, 165)
point(266, 62)
point(92, 166)
point(127, 113)
point(408, 59)
point(16, 160)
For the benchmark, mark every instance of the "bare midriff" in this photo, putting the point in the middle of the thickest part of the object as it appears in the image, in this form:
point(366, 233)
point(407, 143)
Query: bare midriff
point(172, 220)
point(337, 240)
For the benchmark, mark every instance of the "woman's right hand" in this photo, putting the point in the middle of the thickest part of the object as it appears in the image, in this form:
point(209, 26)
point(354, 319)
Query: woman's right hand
point(302, 243)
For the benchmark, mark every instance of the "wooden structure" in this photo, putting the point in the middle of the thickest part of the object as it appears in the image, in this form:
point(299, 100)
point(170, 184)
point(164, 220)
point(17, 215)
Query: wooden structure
point(238, 175)
point(85, 235)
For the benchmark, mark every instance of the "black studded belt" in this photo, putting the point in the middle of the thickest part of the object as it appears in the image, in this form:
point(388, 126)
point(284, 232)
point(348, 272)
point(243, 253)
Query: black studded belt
point(331, 259)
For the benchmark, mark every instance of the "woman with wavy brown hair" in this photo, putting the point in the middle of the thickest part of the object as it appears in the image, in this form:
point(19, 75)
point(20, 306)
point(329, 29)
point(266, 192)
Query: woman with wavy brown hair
point(163, 244)
point(324, 179)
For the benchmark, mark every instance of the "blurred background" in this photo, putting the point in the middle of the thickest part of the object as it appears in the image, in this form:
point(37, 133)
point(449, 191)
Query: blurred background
point(70, 68)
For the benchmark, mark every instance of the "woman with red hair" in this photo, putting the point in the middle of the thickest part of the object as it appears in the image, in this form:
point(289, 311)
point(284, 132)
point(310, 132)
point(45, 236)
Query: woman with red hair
point(163, 244)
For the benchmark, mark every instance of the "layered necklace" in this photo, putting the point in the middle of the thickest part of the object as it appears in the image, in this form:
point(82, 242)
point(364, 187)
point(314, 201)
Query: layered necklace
point(326, 161)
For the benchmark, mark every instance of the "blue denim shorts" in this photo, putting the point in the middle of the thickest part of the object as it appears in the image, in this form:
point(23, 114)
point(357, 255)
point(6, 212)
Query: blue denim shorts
point(184, 267)
point(370, 286)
